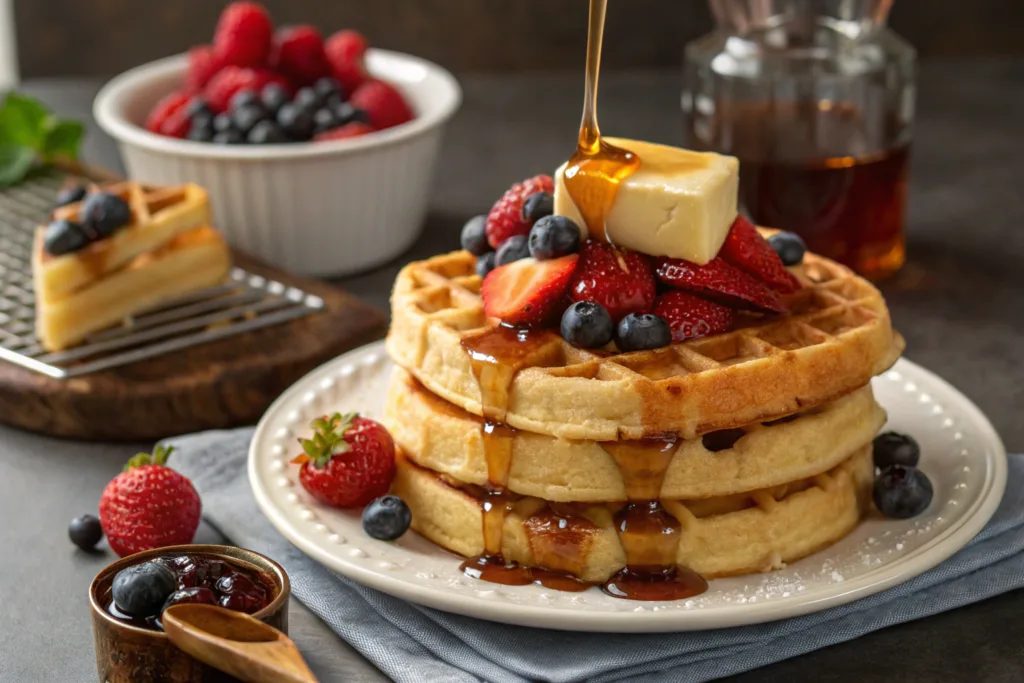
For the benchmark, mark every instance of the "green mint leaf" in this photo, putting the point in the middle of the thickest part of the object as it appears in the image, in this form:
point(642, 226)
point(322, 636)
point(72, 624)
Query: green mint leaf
point(24, 121)
point(62, 140)
point(15, 163)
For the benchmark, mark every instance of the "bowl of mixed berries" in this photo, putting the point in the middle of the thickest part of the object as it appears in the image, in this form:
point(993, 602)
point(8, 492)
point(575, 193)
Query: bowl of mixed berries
point(318, 153)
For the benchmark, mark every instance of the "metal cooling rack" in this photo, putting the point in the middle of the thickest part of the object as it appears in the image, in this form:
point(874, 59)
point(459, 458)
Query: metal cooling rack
point(243, 302)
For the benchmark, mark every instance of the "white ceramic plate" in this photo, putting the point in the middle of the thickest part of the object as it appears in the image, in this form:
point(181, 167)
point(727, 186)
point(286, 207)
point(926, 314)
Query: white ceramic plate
point(962, 455)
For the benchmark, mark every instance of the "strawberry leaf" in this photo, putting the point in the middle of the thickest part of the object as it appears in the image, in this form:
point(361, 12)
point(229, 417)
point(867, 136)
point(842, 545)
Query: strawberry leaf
point(328, 438)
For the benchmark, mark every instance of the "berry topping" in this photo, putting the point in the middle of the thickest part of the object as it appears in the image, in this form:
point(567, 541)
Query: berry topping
point(240, 593)
point(64, 237)
point(274, 96)
point(349, 130)
point(789, 247)
point(746, 249)
point(297, 53)
point(103, 213)
point(620, 280)
point(231, 79)
point(554, 237)
point(527, 291)
point(149, 506)
point(170, 115)
point(85, 531)
point(512, 249)
point(190, 596)
point(689, 316)
point(387, 518)
point(538, 205)
point(243, 33)
point(266, 133)
point(142, 589)
point(506, 217)
point(719, 281)
point(346, 51)
point(587, 325)
point(641, 331)
point(383, 103)
point(349, 461)
point(203, 63)
point(70, 195)
point(485, 264)
point(474, 238)
point(892, 448)
point(902, 492)
point(296, 122)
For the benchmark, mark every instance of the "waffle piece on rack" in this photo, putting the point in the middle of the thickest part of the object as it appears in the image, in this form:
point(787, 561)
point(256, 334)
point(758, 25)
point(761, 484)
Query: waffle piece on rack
point(836, 337)
point(167, 250)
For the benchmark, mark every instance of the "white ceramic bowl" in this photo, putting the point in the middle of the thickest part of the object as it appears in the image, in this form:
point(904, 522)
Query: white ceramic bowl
point(326, 208)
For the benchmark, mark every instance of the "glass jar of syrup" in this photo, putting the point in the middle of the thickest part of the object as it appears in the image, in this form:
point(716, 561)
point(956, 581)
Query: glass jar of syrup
point(816, 98)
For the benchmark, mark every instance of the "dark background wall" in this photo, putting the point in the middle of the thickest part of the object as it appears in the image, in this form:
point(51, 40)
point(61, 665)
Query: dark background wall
point(103, 37)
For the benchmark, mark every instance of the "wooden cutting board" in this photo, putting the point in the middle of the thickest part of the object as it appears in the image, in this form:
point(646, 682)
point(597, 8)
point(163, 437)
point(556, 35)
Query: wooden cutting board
point(224, 383)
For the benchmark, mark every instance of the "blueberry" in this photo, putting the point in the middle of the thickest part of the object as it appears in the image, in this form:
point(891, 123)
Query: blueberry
point(485, 264)
point(200, 133)
point(587, 325)
point(474, 239)
point(141, 589)
point(327, 88)
point(222, 122)
point(273, 96)
point(228, 137)
point(324, 120)
point(197, 106)
point(85, 531)
point(245, 98)
point(64, 237)
point(307, 100)
point(70, 195)
point(538, 205)
point(641, 331)
point(554, 236)
point(789, 247)
point(387, 518)
point(103, 213)
point(891, 448)
point(247, 116)
point(902, 492)
point(512, 249)
point(266, 133)
point(295, 122)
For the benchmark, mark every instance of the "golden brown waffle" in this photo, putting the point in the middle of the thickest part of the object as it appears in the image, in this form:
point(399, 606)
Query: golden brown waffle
point(740, 534)
point(837, 336)
point(438, 436)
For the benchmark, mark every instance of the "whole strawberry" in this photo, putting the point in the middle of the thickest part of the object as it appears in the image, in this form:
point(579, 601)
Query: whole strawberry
point(506, 217)
point(349, 461)
point(242, 37)
point(383, 104)
point(169, 116)
point(346, 53)
point(619, 279)
point(203, 63)
point(297, 53)
point(149, 505)
point(231, 79)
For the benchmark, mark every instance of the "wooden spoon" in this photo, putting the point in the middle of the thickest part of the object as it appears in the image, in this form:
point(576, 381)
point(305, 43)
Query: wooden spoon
point(236, 644)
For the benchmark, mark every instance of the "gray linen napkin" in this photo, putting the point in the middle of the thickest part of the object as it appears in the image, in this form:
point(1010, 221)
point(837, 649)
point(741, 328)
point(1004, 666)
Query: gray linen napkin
point(416, 644)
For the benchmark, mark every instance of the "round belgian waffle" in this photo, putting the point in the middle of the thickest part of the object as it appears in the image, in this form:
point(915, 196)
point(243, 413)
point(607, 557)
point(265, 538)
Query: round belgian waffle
point(836, 337)
point(438, 436)
point(739, 534)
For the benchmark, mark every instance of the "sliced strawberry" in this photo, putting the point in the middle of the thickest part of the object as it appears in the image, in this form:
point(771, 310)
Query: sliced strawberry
point(620, 280)
point(719, 281)
point(689, 316)
point(745, 248)
point(527, 291)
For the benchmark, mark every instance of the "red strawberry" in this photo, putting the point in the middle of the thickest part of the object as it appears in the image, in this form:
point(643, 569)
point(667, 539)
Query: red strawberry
point(527, 291)
point(745, 248)
point(690, 317)
point(229, 80)
point(620, 280)
point(719, 281)
point(506, 217)
point(383, 103)
point(170, 115)
point(349, 461)
point(243, 34)
point(349, 130)
point(203, 63)
point(297, 53)
point(149, 506)
point(346, 53)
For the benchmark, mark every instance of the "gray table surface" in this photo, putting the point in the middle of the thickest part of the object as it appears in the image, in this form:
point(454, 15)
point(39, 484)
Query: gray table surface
point(958, 303)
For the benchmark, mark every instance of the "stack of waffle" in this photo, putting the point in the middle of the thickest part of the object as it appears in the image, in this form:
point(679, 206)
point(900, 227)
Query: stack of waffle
point(729, 454)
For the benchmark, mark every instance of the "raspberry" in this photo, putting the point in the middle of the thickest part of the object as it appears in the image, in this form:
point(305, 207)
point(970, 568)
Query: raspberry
point(297, 53)
point(345, 52)
point(170, 115)
point(506, 216)
point(349, 130)
point(229, 80)
point(383, 103)
point(203, 63)
point(243, 34)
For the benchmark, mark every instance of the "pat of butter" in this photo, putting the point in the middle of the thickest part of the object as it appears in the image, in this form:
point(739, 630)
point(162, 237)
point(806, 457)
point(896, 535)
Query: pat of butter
point(679, 203)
